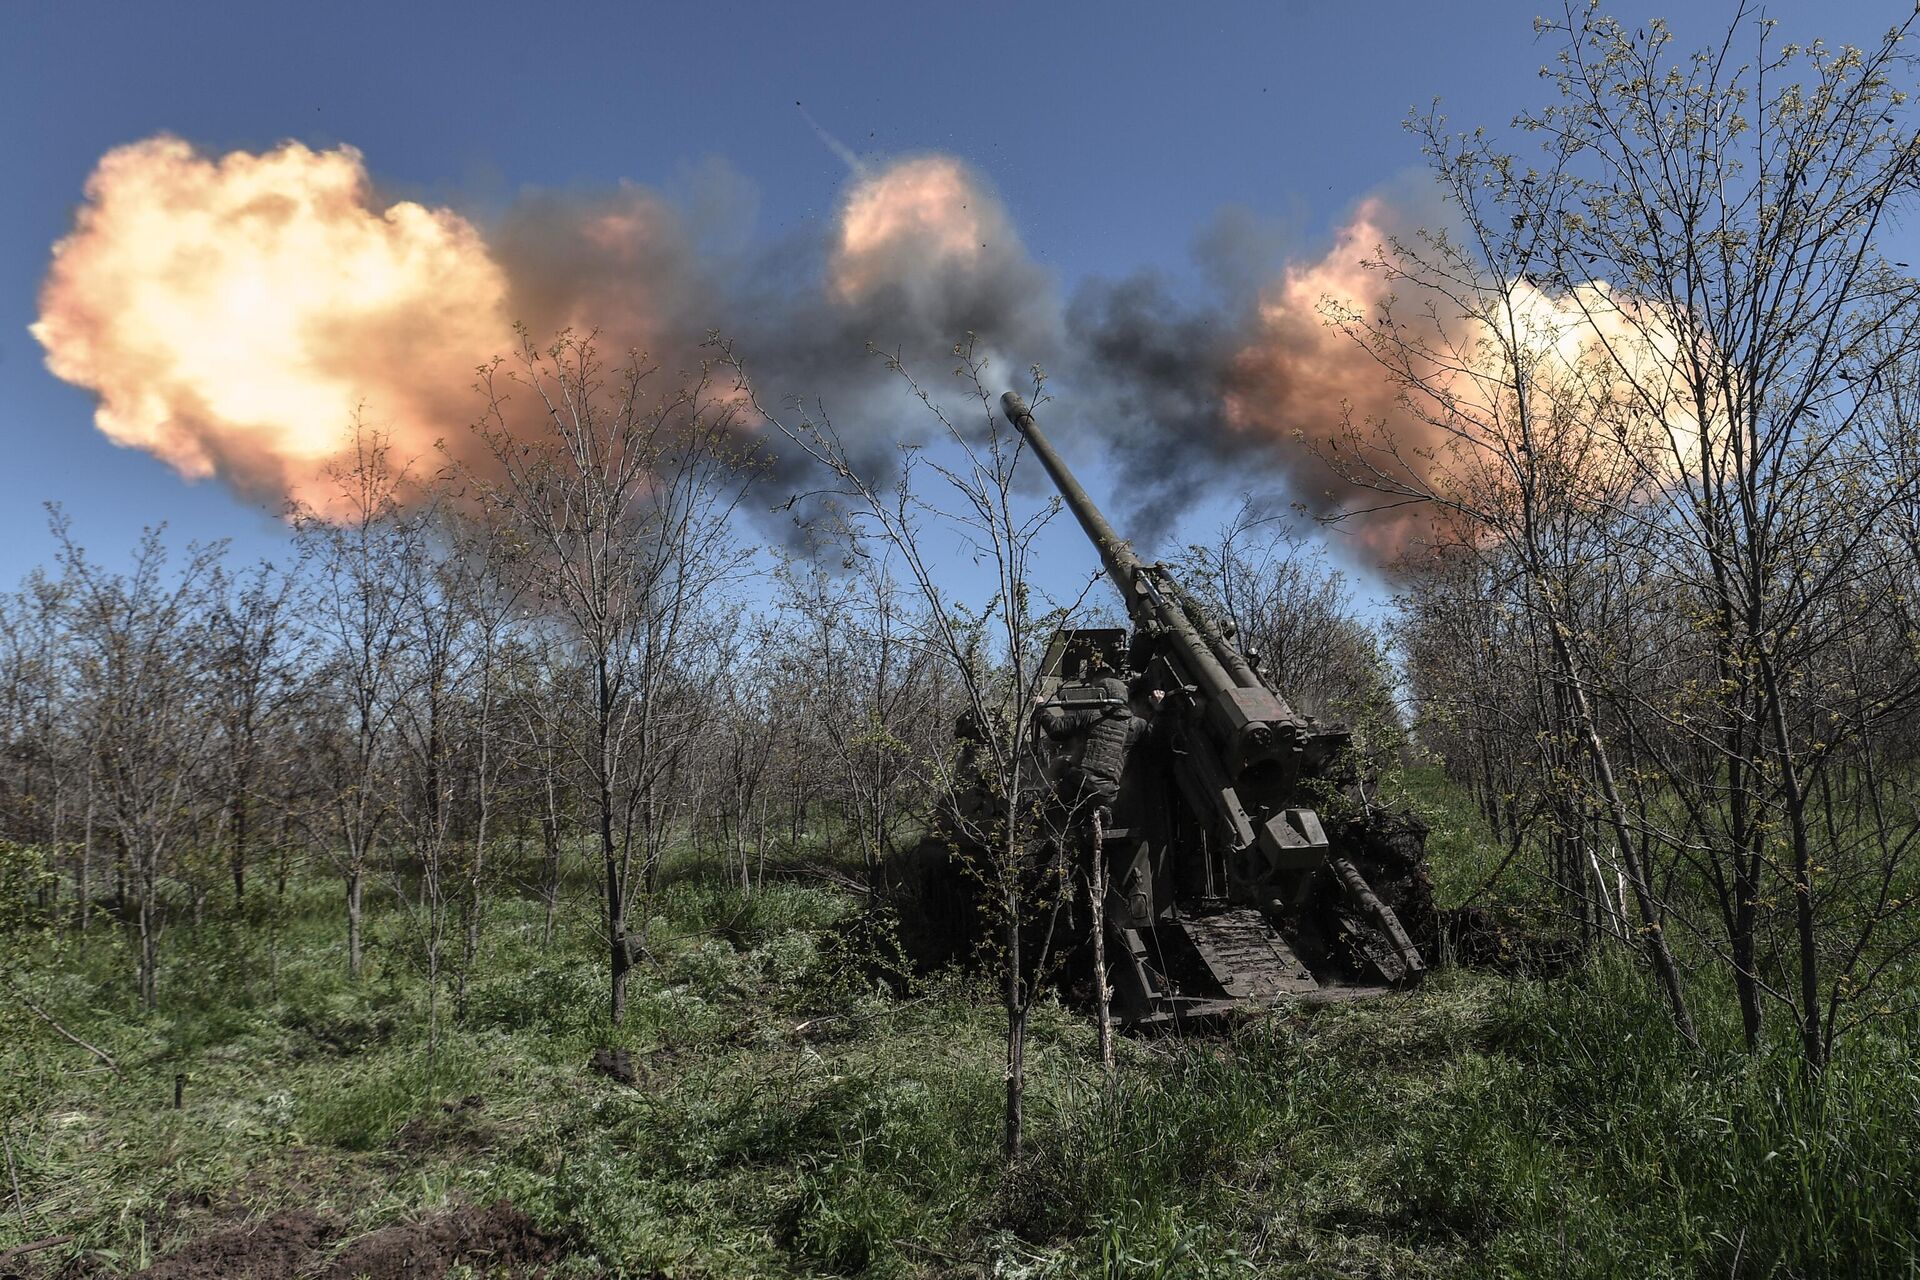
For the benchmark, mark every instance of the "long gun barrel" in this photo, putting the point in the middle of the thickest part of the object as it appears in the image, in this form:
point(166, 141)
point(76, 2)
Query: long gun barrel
point(1154, 600)
point(1122, 564)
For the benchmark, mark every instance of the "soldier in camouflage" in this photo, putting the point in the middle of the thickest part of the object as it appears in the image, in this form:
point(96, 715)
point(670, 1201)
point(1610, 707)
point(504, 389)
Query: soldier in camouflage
point(1103, 736)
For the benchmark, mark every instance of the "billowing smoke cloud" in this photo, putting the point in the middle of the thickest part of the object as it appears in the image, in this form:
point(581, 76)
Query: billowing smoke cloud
point(620, 263)
point(1249, 391)
point(233, 313)
point(1301, 378)
point(921, 254)
point(1260, 390)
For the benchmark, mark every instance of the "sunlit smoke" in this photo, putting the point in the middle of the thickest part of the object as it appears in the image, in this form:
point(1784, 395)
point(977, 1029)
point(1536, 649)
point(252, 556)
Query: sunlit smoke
point(911, 224)
point(1246, 395)
point(1614, 364)
point(1299, 380)
point(921, 256)
point(618, 263)
point(1596, 375)
point(233, 314)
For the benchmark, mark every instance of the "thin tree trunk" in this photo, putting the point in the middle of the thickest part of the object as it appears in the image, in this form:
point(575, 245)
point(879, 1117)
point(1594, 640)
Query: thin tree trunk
point(620, 955)
point(550, 843)
point(280, 861)
point(1097, 893)
point(1016, 1020)
point(476, 872)
point(433, 994)
point(86, 857)
point(1812, 1043)
point(760, 869)
point(1492, 806)
point(1654, 937)
point(1746, 983)
point(239, 850)
point(51, 903)
point(1746, 861)
point(149, 934)
point(354, 878)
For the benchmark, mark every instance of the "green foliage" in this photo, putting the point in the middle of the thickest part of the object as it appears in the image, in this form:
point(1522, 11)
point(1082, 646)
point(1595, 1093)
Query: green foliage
point(793, 1112)
point(1461, 852)
point(560, 996)
point(28, 884)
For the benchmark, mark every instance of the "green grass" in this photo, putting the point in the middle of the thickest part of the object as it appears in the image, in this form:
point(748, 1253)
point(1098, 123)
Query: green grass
point(1460, 847)
point(796, 1113)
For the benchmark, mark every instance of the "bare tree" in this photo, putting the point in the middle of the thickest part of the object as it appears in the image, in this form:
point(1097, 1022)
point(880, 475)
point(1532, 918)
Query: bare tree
point(134, 659)
point(252, 643)
point(429, 679)
point(1531, 464)
point(1755, 263)
point(540, 676)
point(45, 743)
point(868, 687)
point(1664, 362)
point(619, 505)
point(476, 572)
point(354, 551)
point(990, 649)
point(747, 720)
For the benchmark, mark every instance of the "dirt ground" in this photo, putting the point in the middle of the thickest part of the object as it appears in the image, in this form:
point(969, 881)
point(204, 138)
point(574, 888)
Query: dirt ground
point(299, 1245)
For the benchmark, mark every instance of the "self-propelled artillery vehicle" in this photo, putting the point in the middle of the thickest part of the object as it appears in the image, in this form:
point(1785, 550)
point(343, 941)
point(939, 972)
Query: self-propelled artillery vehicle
point(1245, 859)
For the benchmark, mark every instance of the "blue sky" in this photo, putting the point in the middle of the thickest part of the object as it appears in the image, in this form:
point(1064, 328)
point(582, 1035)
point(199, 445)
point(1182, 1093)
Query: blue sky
point(1114, 134)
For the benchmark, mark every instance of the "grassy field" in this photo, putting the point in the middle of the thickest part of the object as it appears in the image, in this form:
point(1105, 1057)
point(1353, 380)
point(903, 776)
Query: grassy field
point(785, 1114)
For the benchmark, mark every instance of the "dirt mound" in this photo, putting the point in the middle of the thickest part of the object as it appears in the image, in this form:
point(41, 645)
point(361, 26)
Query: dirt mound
point(266, 1249)
point(498, 1236)
point(455, 1126)
point(496, 1239)
point(614, 1064)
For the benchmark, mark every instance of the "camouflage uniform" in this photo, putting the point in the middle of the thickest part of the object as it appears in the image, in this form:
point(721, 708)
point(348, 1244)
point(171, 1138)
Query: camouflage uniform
point(1092, 777)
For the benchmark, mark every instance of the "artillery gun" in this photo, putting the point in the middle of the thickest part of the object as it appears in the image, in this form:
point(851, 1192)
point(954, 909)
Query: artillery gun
point(1225, 888)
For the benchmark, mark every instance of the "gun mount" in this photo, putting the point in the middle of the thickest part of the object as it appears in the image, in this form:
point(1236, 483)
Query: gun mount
point(1225, 889)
